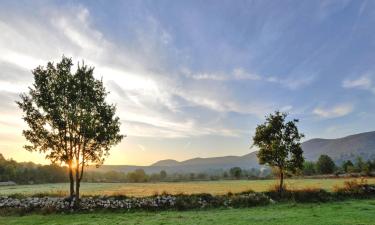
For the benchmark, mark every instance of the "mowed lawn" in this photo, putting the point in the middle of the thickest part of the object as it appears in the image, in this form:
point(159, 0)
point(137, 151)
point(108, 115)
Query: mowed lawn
point(346, 212)
point(146, 189)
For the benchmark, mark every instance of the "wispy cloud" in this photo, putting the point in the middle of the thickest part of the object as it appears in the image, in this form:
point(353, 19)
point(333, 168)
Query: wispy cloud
point(333, 112)
point(292, 82)
point(364, 82)
point(150, 102)
point(237, 74)
point(240, 74)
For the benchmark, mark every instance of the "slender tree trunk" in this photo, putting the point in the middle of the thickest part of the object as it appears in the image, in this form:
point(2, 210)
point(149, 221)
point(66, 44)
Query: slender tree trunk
point(78, 184)
point(281, 187)
point(71, 179)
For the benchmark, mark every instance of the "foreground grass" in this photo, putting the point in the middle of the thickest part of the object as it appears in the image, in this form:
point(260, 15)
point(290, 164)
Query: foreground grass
point(147, 189)
point(346, 212)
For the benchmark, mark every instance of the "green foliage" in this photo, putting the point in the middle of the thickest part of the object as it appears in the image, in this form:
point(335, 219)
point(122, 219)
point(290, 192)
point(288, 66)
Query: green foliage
point(138, 175)
point(31, 173)
point(325, 165)
point(163, 174)
point(279, 144)
point(355, 188)
point(362, 166)
point(309, 168)
point(348, 166)
point(302, 195)
point(236, 172)
point(68, 118)
point(371, 165)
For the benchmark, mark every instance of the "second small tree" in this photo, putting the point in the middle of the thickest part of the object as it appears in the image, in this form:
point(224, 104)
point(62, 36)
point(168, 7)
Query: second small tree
point(279, 145)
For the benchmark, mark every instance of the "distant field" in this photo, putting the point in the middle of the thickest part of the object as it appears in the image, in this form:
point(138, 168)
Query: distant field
point(346, 212)
point(146, 189)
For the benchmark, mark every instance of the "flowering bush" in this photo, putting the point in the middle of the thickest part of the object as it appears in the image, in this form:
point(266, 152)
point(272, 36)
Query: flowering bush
point(159, 202)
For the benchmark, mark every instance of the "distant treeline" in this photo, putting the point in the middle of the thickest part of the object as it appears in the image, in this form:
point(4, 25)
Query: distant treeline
point(31, 173)
point(28, 173)
point(325, 165)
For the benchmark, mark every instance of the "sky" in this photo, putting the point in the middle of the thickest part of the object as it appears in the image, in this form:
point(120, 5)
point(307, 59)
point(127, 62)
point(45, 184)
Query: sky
point(194, 78)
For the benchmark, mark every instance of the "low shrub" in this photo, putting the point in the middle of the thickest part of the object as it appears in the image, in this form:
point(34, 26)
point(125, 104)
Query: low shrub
point(17, 196)
point(358, 188)
point(47, 205)
point(184, 202)
point(351, 187)
point(310, 195)
point(249, 200)
point(355, 188)
point(276, 188)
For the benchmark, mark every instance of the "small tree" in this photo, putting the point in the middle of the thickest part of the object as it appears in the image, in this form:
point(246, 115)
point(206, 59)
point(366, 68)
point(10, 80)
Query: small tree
point(362, 167)
point(308, 168)
point(325, 165)
point(347, 166)
point(236, 172)
point(69, 119)
point(163, 175)
point(139, 175)
point(279, 145)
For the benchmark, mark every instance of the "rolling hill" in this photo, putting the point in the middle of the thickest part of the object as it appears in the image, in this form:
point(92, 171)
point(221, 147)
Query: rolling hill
point(339, 149)
point(195, 165)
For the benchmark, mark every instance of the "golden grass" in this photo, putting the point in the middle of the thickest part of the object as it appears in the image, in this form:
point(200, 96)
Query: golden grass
point(147, 189)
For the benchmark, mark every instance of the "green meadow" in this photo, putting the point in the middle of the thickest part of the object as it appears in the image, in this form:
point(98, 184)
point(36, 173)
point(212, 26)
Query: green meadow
point(345, 212)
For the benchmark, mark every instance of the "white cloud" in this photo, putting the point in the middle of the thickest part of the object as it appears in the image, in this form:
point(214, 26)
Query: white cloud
point(292, 82)
point(364, 82)
point(147, 100)
point(239, 74)
point(333, 112)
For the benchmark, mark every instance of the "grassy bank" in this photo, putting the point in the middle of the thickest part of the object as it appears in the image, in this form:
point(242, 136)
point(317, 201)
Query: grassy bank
point(147, 189)
point(346, 212)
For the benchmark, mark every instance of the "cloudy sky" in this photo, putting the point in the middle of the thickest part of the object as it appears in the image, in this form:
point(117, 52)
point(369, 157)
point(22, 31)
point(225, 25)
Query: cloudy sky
point(194, 78)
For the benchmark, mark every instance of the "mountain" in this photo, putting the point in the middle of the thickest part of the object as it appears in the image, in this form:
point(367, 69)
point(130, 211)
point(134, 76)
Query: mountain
point(196, 165)
point(339, 149)
point(212, 164)
point(166, 162)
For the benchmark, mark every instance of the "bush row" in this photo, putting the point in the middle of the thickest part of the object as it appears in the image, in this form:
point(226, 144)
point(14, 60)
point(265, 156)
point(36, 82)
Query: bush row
point(351, 189)
point(161, 202)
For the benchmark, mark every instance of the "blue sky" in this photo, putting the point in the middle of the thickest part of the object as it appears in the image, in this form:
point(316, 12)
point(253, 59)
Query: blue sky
point(194, 78)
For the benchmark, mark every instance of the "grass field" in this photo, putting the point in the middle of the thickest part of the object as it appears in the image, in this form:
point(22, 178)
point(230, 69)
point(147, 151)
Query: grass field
point(347, 212)
point(146, 189)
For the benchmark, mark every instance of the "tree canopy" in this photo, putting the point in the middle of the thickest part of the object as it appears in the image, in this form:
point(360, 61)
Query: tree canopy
point(325, 165)
point(279, 145)
point(68, 118)
point(236, 172)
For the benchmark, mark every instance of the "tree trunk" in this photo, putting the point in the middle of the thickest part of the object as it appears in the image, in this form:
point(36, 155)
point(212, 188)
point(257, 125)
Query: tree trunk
point(71, 180)
point(78, 185)
point(281, 187)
